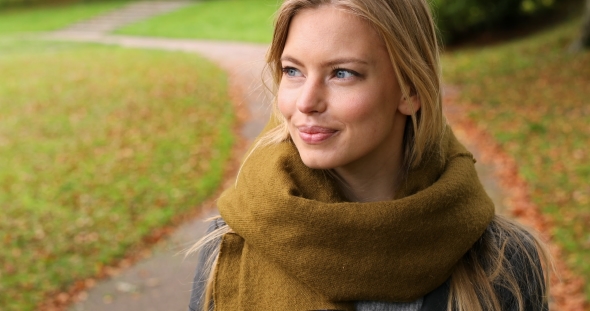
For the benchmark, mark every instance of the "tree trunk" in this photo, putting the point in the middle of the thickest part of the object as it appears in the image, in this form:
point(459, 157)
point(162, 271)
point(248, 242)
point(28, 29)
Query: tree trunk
point(583, 42)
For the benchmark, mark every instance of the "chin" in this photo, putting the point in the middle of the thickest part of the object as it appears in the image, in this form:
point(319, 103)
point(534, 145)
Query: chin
point(317, 158)
point(314, 165)
point(318, 164)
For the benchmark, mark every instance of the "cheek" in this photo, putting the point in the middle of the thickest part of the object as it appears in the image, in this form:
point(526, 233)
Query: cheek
point(364, 107)
point(370, 115)
point(285, 102)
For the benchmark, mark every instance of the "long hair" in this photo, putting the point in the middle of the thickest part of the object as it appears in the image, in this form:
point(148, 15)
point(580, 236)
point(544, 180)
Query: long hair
point(485, 274)
point(503, 270)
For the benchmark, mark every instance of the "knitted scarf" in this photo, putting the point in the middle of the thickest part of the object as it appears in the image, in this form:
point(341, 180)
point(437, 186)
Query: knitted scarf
point(297, 244)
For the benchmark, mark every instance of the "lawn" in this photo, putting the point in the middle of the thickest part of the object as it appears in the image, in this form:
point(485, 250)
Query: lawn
point(105, 144)
point(51, 17)
point(99, 146)
point(236, 20)
point(534, 98)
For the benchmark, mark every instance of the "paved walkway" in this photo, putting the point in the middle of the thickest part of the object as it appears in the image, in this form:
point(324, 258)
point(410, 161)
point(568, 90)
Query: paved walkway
point(163, 281)
point(128, 14)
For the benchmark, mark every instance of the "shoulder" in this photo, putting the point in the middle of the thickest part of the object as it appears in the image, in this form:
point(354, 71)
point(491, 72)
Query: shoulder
point(512, 256)
point(518, 247)
point(216, 223)
point(207, 251)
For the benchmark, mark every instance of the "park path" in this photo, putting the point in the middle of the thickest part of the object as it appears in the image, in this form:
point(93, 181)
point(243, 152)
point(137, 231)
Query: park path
point(128, 14)
point(163, 281)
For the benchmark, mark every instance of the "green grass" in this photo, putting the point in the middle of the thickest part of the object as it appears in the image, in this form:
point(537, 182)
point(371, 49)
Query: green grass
point(235, 20)
point(99, 146)
point(534, 98)
point(47, 18)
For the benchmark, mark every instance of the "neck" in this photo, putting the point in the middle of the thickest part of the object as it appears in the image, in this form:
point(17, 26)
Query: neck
point(378, 184)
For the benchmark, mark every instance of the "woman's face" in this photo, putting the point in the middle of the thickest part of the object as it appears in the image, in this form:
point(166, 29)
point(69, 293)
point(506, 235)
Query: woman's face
point(339, 93)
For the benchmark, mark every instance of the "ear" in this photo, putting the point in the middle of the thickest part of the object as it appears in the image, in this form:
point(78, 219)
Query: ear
point(409, 106)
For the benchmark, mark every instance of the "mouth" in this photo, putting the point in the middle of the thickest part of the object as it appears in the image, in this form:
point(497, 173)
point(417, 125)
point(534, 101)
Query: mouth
point(315, 134)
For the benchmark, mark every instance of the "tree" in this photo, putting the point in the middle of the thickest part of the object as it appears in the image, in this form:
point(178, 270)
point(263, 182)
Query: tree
point(459, 18)
point(583, 42)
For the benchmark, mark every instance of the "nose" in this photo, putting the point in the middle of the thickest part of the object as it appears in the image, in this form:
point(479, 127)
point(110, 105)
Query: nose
point(312, 98)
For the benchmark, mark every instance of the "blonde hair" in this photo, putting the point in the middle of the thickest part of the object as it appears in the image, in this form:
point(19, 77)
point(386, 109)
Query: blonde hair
point(407, 29)
point(507, 261)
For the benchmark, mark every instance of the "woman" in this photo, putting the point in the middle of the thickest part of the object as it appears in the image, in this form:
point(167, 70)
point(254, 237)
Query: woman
point(358, 196)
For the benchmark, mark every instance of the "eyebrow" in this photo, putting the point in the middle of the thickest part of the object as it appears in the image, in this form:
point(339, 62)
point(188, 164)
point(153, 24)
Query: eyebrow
point(330, 63)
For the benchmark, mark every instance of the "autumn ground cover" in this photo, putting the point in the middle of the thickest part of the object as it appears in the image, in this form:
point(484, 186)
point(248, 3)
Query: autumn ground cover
point(129, 159)
point(99, 146)
point(234, 20)
point(534, 98)
point(17, 20)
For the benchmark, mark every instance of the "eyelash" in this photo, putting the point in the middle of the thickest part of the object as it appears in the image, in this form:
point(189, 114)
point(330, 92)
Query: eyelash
point(352, 72)
point(286, 69)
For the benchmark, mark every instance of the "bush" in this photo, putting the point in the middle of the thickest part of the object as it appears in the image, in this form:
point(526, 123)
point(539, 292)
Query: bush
point(456, 18)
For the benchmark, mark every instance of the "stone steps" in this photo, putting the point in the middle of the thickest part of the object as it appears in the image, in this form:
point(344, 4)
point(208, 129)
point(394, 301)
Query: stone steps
point(127, 15)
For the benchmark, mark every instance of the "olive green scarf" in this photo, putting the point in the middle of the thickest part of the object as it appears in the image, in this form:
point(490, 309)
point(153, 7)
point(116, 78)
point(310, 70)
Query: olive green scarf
point(298, 245)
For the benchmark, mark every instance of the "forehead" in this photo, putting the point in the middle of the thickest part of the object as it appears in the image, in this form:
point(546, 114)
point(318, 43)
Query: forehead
point(331, 30)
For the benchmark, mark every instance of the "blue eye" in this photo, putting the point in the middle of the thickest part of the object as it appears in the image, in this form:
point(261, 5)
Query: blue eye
point(291, 72)
point(343, 74)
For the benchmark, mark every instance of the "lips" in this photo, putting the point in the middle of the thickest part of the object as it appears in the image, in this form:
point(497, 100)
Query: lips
point(315, 134)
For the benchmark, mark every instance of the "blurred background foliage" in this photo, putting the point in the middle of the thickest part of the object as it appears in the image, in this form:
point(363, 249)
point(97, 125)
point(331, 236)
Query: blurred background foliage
point(232, 20)
point(17, 3)
point(456, 19)
point(99, 146)
point(105, 144)
point(17, 19)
